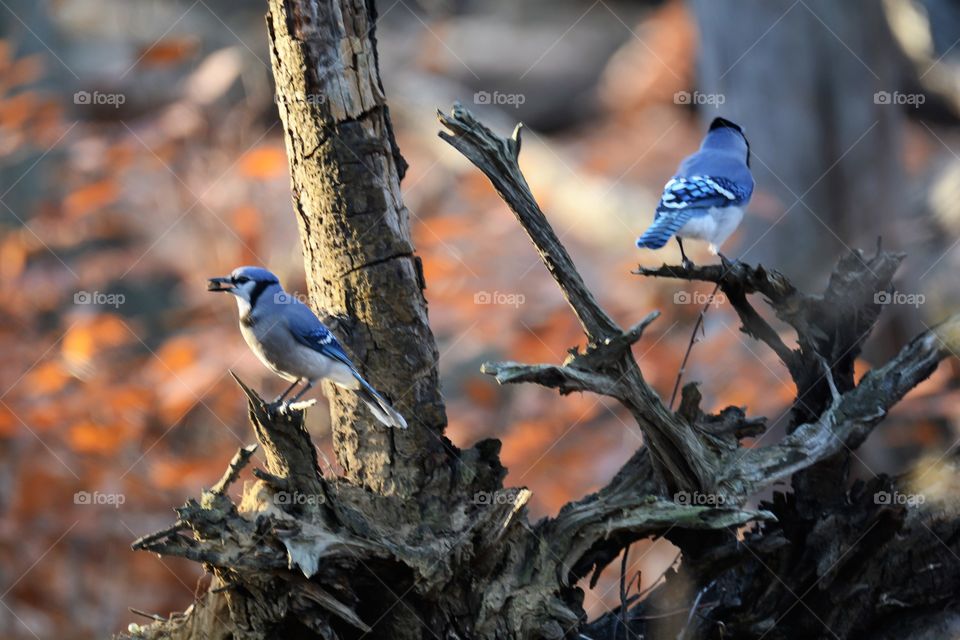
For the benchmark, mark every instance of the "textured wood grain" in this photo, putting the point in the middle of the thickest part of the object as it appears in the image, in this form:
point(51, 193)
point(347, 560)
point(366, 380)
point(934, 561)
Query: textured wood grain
point(355, 231)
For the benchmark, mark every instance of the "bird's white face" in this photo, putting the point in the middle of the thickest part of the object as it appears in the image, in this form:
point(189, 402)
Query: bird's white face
point(244, 292)
point(246, 284)
point(243, 289)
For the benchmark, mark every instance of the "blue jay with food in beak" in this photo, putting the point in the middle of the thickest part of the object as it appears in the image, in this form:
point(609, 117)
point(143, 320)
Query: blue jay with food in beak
point(706, 198)
point(292, 342)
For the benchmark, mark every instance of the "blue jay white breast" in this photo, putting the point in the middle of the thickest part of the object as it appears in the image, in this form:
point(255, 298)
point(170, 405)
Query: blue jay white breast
point(292, 342)
point(706, 197)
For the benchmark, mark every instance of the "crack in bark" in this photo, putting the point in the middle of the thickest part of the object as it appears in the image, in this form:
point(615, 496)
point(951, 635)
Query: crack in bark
point(376, 262)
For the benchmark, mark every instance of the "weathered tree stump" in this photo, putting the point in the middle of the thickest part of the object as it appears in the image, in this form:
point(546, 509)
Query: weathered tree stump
point(419, 539)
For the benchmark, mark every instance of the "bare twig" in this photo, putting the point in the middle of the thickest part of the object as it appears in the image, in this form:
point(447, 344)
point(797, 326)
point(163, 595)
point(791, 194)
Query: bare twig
point(683, 457)
point(239, 461)
point(693, 336)
point(623, 589)
point(151, 616)
point(497, 158)
point(146, 541)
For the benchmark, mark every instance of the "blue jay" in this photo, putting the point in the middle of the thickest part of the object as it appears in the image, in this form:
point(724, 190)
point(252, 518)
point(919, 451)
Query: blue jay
point(706, 197)
point(290, 340)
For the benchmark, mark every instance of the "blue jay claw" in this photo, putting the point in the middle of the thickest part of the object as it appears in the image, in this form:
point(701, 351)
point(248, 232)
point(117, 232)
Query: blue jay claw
point(277, 406)
point(283, 407)
point(301, 405)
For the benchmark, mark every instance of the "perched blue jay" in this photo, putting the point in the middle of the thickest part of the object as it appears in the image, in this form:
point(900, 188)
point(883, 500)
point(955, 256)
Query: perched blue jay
point(290, 340)
point(706, 197)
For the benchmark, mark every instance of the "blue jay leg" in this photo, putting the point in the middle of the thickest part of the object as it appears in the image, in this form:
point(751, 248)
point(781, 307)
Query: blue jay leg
point(687, 262)
point(306, 388)
point(283, 395)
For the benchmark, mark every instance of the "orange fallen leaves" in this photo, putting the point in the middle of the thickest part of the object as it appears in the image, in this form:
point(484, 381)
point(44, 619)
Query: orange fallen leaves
point(84, 340)
point(9, 425)
point(47, 378)
point(264, 163)
point(90, 198)
point(168, 51)
point(89, 437)
point(170, 473)
point(13, 258)
point(177, 354)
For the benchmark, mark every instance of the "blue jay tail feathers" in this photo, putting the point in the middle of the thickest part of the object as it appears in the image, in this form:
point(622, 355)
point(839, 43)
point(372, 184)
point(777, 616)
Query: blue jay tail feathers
point(378, 405)
point(663, 227)
point(652, 239)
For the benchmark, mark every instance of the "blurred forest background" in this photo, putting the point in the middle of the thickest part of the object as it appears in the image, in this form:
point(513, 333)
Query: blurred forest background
point(140, 153)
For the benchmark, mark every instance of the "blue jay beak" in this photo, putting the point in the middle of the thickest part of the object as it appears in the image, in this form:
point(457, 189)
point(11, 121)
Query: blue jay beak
point(220, 284)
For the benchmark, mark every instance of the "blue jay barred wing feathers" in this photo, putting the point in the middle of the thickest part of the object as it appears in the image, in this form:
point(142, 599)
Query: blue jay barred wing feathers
point(700, 192)
point(308, 330)
point(688, 197)
point(323, 341)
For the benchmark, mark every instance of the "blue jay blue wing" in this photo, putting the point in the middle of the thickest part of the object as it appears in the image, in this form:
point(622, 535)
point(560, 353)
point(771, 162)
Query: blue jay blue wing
point(320, 339)
point(701, 192)
point(685, 198)
point(308, 330)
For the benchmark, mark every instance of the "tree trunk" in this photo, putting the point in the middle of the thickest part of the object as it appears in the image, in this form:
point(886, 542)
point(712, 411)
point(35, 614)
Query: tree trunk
point(801, 77)
point(359, 258)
